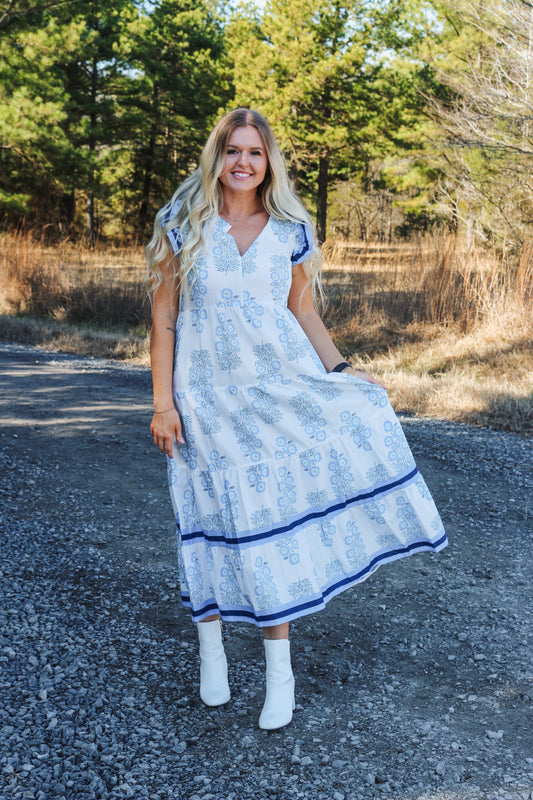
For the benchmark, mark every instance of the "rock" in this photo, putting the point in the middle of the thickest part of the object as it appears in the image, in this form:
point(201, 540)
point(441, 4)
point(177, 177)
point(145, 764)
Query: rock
point(86, 584)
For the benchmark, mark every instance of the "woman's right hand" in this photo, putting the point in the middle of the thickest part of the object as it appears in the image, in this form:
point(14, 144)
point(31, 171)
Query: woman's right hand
point(164, 428)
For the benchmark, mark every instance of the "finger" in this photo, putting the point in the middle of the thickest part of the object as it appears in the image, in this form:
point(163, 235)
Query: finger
point(167, 446)
point(376, 382)
point(369, 378)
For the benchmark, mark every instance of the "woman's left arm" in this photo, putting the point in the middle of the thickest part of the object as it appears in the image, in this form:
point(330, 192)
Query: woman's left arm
point(300, 303)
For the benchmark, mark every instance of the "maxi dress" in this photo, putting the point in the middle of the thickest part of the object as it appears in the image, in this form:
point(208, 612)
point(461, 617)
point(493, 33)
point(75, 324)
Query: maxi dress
point(293, 483)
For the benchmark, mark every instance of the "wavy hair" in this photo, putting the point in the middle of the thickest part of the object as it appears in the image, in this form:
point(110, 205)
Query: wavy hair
point(199, 200)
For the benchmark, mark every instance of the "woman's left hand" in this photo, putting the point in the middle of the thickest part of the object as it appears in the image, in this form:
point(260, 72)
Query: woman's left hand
point(364, 375)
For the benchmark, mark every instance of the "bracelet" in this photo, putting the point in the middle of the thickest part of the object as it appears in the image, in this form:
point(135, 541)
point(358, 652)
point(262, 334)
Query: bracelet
point(340, 367)
point(165, 411)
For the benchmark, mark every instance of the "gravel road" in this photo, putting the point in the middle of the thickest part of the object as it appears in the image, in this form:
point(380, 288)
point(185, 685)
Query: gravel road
point(416, 685)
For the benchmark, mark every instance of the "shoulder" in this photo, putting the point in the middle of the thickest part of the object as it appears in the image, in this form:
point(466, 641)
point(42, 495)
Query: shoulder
point(303, 246)
point(168, 219)
point(297, 235)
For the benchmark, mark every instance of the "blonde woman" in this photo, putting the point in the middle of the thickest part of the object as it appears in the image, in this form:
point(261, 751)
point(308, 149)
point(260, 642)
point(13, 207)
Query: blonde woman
point(289, 474)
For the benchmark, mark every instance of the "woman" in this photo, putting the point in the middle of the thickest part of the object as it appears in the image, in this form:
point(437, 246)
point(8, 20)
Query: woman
point(289, 474)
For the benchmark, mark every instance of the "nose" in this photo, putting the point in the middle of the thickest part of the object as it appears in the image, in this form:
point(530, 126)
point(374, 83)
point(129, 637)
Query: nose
point(243, 158)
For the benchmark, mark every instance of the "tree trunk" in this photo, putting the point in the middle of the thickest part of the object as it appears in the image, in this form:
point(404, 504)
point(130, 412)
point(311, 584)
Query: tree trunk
point(322, 198)
point(91, 224)
point(91, 216)
point(149, 165)
point(67, 211)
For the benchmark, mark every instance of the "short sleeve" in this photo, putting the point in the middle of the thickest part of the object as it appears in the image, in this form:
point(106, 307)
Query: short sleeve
point(174, 235)
point(303, 246)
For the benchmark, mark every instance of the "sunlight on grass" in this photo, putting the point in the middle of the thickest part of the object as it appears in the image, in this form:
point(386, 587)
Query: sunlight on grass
point(450, 332)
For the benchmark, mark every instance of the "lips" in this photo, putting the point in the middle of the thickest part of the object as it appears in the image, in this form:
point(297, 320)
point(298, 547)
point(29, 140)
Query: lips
point(241, 175)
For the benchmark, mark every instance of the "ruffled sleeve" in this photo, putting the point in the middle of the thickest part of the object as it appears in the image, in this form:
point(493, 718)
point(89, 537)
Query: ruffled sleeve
point(174, 235)
point(303, 246)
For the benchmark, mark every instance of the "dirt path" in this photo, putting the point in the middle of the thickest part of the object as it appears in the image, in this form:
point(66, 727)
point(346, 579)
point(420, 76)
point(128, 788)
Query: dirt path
point(416, 684)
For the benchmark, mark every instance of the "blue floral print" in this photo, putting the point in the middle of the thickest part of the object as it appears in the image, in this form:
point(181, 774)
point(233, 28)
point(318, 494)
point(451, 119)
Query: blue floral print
point(246, 430)
point(359, 432)
point(226, 345)
point(293, 484)
point(200, 373)
point(268, 365)
point(309, 415)
point(341, 477)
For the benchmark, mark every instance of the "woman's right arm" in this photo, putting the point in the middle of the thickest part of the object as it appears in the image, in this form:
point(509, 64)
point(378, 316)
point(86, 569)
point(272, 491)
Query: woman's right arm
point(165, 423)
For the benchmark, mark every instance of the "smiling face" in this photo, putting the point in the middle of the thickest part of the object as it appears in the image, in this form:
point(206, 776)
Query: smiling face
point(246, 161)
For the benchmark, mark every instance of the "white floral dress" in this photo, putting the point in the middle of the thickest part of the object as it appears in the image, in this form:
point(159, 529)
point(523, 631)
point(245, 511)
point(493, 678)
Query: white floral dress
point(294, 484)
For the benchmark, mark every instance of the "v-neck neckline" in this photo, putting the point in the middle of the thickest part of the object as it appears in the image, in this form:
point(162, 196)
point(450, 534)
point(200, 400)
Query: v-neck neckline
point(229, 227)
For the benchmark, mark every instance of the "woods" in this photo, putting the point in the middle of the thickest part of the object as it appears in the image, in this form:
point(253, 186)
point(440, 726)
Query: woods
point(395, 117)
point(104, 108)
point(407, 130)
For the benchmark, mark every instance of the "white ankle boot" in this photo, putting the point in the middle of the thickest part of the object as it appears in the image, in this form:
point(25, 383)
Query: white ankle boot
point(214, 687)
point(279, 700)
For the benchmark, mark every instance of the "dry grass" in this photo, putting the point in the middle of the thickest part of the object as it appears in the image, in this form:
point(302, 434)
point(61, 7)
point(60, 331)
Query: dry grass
point(78, 339)
point(73, 284)
point(483, 377)
point(449, 332)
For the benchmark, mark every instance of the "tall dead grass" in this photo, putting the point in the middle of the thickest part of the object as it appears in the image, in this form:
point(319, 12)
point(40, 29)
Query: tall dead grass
point(73, 284)
point(450, 331)
point(433, 281)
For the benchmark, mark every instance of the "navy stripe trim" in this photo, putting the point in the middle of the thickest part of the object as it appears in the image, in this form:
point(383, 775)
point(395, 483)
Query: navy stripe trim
point(316, 603)
point(312, 515)
point(307, 248)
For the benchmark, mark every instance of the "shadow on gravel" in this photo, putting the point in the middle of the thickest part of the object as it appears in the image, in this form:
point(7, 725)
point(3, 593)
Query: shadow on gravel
point(506, 412)
point(415, 685)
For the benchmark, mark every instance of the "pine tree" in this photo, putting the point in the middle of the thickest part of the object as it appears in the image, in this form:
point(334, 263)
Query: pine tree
point(104, 105)
point(324, 73)
point(178, 49)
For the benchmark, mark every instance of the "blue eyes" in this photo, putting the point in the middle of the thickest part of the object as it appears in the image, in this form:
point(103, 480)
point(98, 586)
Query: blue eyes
point(232, 152)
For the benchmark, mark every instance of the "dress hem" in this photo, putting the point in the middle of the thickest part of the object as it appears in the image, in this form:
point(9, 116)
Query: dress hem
point(335, 507)
point(317, 603)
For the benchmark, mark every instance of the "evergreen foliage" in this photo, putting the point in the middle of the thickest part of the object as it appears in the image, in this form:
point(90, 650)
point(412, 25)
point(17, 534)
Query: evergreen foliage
point(395, 115)
point(334, 79)
point(103, 109)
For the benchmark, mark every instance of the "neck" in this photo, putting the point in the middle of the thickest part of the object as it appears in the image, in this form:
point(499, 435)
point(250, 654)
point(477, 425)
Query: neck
point(239, 206)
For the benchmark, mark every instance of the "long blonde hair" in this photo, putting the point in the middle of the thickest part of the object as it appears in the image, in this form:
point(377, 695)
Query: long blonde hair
point(201, 200)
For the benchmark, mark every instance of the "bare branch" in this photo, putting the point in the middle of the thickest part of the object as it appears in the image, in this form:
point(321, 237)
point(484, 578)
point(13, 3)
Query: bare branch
point(492, 113)
point(11, 14)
